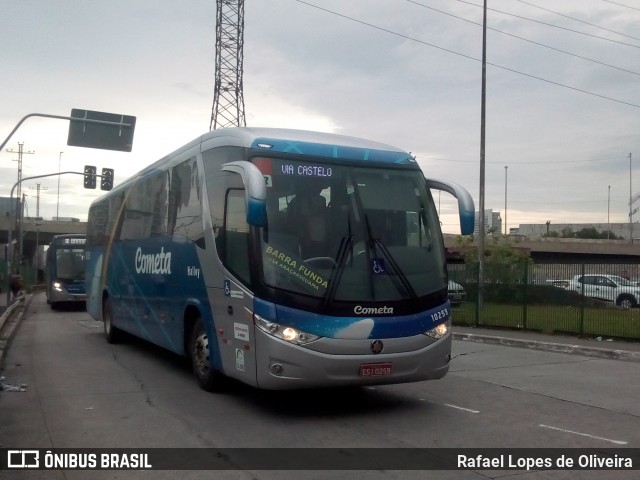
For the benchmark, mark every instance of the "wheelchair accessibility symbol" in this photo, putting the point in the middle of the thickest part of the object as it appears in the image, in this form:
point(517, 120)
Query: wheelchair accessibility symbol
point(377, 266)
point(231, 291)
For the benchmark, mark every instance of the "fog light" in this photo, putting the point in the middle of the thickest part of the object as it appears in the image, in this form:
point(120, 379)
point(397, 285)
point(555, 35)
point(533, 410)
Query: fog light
point(276, 368)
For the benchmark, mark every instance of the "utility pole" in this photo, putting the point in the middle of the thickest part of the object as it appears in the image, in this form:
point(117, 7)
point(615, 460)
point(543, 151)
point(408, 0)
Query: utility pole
point(481, 222)
point(608, 212)
point(20, 243)
point(630, 205)
point(36, 263)
point(19, 197)
point(38, 188)
point(20, 152)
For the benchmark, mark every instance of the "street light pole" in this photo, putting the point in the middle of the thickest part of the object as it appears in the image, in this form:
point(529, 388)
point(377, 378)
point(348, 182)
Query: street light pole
point(58, 204)
point(505, 199)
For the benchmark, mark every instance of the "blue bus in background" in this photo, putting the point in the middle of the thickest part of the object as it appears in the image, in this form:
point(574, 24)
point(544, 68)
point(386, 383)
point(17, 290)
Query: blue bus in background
point(64, 270)
point(281, 258)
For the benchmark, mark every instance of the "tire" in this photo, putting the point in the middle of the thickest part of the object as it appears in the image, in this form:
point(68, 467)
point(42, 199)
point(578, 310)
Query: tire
point(111, 333)
point(209, 379)
point(626, 301)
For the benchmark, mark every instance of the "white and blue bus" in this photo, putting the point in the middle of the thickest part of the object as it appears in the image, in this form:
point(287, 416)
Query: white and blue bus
point(284, 259)
point(64, 270)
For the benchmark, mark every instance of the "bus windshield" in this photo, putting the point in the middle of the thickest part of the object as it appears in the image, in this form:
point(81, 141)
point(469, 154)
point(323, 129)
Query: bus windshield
point(349, 233)
point(69, 262)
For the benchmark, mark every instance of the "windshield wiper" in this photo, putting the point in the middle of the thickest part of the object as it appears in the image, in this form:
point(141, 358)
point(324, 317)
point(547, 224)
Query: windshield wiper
point(399, 274)
point(341, 259)
point(400, 280)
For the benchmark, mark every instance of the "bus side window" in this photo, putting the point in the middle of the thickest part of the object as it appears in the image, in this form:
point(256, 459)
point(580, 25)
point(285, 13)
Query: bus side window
point(146, 210)
point(97, 225)
point(185, 203)
point(235, 253)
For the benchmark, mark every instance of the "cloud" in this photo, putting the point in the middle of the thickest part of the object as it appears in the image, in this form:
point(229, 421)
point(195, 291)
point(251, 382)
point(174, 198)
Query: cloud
point(392, 71)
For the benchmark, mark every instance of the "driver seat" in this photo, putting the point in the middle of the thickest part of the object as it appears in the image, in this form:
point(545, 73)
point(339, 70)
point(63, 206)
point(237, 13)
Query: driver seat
point(308, 215)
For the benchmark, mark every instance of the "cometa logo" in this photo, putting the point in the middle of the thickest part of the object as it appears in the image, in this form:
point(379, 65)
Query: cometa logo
point(153, 263)
point(360, 310)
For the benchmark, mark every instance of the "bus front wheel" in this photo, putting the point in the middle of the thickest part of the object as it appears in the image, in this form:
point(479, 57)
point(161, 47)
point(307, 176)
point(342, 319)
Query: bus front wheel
point(208, 378)
point(113, 334)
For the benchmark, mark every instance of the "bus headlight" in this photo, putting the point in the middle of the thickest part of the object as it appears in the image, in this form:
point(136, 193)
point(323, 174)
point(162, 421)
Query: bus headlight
point(289, 334)
point(57, 286)
point(439, 331)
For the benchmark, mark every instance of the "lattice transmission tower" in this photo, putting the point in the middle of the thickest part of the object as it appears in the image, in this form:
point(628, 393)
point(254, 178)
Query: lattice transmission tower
point(228, 99)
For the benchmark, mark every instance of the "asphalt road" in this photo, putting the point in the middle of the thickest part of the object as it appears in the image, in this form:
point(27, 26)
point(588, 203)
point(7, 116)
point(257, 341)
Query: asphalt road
point(82, 392)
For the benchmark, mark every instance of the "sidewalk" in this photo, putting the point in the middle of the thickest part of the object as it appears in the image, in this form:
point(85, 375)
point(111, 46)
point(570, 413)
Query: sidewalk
point(603, 348)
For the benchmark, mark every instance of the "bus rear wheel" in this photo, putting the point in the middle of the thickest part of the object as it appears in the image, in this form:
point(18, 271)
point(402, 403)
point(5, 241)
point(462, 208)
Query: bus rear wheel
point(208, 378)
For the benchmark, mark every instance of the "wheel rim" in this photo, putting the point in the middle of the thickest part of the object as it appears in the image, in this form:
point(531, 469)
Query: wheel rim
point(201, 353)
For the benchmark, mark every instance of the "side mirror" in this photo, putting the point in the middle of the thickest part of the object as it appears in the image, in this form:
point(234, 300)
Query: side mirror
point(254, 188)
point(466, 208)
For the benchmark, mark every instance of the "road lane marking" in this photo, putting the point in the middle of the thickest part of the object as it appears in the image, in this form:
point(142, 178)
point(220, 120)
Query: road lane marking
point(617, 442)
point(461, 408)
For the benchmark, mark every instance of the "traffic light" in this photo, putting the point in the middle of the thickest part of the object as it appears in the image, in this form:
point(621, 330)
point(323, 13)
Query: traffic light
point(89, 176)
point(106, 182)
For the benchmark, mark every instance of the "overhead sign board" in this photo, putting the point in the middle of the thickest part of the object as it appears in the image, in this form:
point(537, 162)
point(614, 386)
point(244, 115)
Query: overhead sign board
point(109, 131)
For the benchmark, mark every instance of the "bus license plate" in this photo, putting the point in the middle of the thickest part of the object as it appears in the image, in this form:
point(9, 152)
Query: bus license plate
point(375, 369)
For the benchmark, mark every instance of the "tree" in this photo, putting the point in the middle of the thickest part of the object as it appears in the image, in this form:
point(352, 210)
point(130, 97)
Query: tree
point(504, 262)
point(567, 233)
point(591, 232)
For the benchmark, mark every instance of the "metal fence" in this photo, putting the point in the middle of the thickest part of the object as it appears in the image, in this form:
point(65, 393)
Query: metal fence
point(29, 276)
point(543, 297)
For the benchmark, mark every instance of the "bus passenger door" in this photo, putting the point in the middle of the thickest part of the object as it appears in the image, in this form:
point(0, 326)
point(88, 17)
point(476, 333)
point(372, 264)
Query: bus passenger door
point(233, 307)
point(237, 345)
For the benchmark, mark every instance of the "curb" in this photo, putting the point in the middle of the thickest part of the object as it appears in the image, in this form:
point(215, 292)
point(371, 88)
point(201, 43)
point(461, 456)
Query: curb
point(551, 347)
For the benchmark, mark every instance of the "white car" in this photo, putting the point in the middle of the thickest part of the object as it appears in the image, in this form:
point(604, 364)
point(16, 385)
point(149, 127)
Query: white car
point(457, 295)
point(612, 288)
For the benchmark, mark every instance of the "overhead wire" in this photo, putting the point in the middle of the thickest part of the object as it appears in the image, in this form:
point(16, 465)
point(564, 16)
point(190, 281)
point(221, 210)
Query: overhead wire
point(577, 20)
point(622, 5)
point(407, 37)
point(551, 25)
point(525, 39)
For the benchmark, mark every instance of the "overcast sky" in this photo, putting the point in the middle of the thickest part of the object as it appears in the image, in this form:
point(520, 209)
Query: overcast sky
point(562, 109)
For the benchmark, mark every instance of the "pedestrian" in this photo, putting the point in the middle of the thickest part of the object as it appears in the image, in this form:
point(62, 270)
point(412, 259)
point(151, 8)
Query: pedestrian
point(16, 284)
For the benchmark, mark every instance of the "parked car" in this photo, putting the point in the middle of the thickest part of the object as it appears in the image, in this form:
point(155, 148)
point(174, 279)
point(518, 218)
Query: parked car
point(457, 295)
point(611, 288)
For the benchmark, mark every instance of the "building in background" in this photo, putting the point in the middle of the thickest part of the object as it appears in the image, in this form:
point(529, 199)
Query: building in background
point(618, 230)
point(492, 222)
